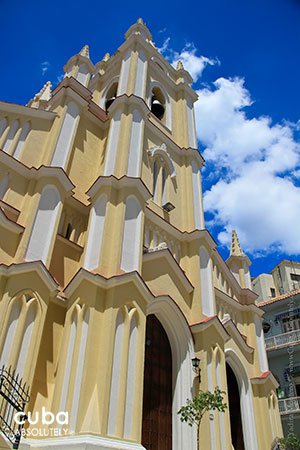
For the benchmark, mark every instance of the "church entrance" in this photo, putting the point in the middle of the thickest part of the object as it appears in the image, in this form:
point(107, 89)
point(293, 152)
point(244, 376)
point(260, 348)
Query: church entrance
point(234, 410)
point(157, 403)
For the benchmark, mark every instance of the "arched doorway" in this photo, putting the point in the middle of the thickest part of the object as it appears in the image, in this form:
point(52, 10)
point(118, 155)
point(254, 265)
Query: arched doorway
point(234, 410)
point(157, 402)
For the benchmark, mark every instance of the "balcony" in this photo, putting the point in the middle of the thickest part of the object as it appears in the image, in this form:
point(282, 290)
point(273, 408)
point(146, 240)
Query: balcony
point(289, 405)
point(282, 340)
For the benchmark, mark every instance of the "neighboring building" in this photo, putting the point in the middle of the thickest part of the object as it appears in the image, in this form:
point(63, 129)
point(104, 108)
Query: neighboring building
point(109, 282)
point(285, 277)
point(282, 337)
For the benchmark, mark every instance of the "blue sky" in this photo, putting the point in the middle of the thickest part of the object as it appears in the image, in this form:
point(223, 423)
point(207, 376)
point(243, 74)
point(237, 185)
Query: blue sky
point(246, 62)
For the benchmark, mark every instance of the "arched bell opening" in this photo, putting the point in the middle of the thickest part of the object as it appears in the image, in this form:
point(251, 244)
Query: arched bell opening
point(158, 103)
point(234, 410)
point(111, 95)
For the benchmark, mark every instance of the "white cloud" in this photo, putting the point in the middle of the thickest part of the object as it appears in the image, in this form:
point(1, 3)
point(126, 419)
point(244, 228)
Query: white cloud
point(45, 65)
point(257, 163)
point(192, 63)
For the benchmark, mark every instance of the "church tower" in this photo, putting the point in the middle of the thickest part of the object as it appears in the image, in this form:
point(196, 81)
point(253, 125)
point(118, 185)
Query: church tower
point(110, 284)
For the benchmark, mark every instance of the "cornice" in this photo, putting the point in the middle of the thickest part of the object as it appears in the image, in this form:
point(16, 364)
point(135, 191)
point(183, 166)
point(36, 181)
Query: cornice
point(28, 111)
point(119, 183)
point(108, 283)
point(37, 173)
point(166, 254)
point(208, 322)
point(32, 266)
point(233, 331)
point(10, 225)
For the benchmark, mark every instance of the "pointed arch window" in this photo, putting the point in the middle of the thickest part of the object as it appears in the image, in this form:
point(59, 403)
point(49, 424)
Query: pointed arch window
point(17, 340)
point(164, 175)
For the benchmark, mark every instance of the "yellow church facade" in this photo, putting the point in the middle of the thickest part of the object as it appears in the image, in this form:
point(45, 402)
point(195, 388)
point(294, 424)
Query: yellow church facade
point(109, 282)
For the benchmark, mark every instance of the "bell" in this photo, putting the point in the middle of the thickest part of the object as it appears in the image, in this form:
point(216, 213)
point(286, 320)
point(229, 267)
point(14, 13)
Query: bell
point(109, 101)
point(157, 109)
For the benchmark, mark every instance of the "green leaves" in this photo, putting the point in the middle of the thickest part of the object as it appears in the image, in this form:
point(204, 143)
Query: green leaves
point(194, 409)
point(291, 442)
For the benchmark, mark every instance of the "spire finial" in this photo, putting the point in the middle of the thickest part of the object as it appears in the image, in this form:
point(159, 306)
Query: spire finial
point(140, 21)
point(179, 65)
point(106, 57)
point(235, 249)
point(85, 51)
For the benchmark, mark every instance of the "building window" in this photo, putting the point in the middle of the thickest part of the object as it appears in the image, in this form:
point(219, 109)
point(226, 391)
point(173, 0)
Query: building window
point(158, 103)
point(273, 292)
point(295, 277)
point(291, 323)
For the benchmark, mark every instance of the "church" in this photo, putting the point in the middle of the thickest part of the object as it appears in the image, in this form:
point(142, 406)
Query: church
point(111, 287)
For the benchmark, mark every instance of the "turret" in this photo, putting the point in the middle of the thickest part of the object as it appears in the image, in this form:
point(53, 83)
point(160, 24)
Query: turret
point(80, 66)
point(239, 262)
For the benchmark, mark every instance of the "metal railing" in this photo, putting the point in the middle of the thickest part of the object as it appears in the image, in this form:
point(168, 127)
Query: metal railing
point(282, 340)
point(13, 399)
point(289, 405)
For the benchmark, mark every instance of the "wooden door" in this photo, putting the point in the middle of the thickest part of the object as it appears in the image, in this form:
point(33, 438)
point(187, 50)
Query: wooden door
point(157, 404)
point(234, 410)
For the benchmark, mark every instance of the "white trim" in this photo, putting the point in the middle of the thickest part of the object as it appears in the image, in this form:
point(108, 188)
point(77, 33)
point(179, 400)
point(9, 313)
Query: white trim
point(246, 399)
point(83, 74)
point(95, 233)
point(43, 228)
point(69, 359)
point(112, 144)
point(122, 87)
point(79, 370)
point(132, 235)
point(191, 123)
point(66, 136)
point(197, 197)
point(11, 134)
point(135, 147)
point(22, 139)
point(261, 348)
point(131, 375)
point(141, 73)
point(14, 316)
point(221, 414)
point(212, 425)
point(181, 342)
point(116, 375)
point(26, 340)
point(206, 279)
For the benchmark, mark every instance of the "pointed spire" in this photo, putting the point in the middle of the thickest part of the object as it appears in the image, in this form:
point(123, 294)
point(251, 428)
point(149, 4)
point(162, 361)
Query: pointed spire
point(42, 96)
point(45, 92)
point(140, 21)
point(85, 51)
point(235, 249)
point(179, 65)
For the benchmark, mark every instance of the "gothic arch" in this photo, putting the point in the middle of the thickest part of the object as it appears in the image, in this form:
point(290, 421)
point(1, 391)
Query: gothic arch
point(182, 347)
point(168, 113)
point(106, 92)
point(246, 400)
point(20, 326)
